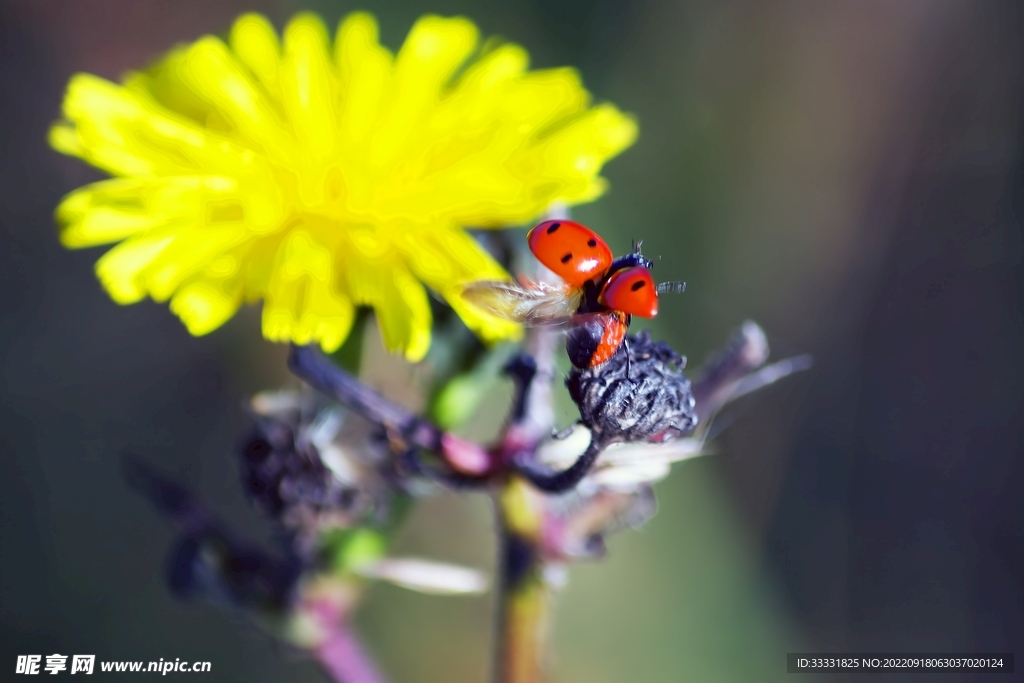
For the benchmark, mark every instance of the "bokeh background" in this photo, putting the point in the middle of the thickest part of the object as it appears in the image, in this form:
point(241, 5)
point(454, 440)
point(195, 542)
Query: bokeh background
point(848, 174)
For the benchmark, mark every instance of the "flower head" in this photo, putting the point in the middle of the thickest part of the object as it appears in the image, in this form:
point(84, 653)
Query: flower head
point(319, 176)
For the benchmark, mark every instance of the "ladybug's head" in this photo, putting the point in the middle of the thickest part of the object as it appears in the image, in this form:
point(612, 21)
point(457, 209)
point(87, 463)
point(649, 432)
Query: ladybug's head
point(631, 260)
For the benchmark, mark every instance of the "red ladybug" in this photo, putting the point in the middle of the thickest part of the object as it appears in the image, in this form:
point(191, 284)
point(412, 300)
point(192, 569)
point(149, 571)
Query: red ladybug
point(598, 300)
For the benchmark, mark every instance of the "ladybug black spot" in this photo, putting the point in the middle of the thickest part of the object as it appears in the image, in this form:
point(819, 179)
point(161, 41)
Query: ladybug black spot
point(591, 242)
point(553, 227)
point(639, 284)
point(567, 258)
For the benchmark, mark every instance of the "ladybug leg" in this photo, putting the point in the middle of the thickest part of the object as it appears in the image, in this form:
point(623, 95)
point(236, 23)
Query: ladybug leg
point(625, 348)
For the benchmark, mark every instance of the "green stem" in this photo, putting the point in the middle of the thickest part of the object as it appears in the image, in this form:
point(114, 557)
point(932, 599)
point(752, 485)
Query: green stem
point(525, 595)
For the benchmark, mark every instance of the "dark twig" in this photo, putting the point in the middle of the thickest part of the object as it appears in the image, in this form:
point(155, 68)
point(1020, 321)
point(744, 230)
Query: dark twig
point(737, 371)
point(558, 482)
point(315, 369)
point(522, 443)
point(169, 497)
point(469, 461)
point(747, 350)
point(522, 369)
point(770, 374)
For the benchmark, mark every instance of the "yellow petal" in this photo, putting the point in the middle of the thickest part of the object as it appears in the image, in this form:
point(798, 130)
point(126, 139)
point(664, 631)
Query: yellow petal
point(64, 139)
point(435, 48)
point(303, 305)
point(130, 135)
point(582, 147)
point(206, 303)
point(191, 251)
point(327, 316)
point(543, 98)
point(119, 269)
point(307, 312)
point(109, 117)
point(210, 70)
point(307, 85)
point(379, 278)
point(447, 258)
point(495, 71)
point(364, 71)
point(254, 41)
point(111, 210)
point(162, 83)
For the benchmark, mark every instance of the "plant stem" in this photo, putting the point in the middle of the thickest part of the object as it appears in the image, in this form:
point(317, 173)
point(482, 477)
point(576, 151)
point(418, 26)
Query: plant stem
point(343, 657)
point(525, 592)
point(339, 651)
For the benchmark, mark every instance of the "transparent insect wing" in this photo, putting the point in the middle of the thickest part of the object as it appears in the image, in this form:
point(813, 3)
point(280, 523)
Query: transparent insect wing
point(572, 251)
point(632, 291)
point(536, 305)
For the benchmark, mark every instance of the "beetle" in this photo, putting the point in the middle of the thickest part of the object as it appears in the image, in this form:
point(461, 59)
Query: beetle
point(597, 301)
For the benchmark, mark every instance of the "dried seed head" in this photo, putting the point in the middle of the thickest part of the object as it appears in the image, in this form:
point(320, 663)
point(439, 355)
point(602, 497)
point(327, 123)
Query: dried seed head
point(305, 467)
point(640, 394)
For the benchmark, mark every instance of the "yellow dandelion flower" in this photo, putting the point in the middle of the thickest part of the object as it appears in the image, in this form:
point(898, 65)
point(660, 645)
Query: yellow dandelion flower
point(322, 177)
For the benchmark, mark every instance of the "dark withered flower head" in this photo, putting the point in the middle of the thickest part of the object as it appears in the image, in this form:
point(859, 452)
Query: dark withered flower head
point(638, 395)
point(210, 561)
point(312, 465)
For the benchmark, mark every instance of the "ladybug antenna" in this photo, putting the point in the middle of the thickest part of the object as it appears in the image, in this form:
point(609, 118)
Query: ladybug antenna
point(673, 287)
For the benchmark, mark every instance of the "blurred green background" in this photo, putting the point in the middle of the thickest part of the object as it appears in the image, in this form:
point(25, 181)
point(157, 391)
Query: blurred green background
point(848, 174)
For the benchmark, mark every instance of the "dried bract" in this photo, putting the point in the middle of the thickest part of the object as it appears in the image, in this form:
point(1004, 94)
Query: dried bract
point(578, 523)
